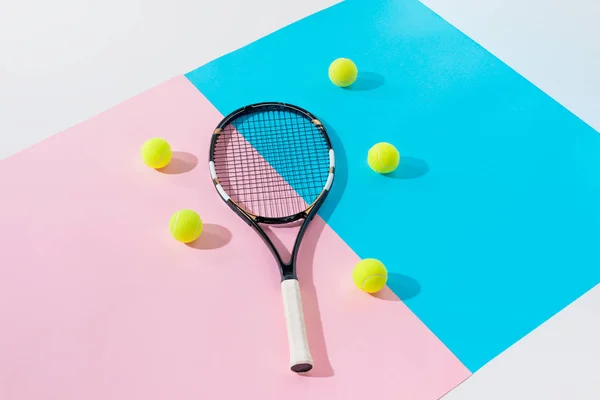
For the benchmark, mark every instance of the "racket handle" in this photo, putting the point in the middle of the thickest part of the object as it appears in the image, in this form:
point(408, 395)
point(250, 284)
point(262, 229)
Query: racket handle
point(300, 358)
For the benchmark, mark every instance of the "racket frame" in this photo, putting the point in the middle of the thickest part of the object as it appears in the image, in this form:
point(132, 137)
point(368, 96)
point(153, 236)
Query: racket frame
point(287, 270)
point(300, 357)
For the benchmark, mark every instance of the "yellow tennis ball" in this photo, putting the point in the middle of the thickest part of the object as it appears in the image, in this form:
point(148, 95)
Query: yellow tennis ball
point(185, 226)
point(370, 275)
point(156, 153)
point(383, 158)
point(343, 72)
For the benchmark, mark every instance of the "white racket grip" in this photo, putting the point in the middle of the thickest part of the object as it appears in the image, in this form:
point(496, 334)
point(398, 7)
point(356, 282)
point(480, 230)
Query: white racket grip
point(300, 358)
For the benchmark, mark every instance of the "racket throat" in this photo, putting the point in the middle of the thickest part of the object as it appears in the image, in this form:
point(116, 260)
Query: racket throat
point(291, 275)
point(288, 271)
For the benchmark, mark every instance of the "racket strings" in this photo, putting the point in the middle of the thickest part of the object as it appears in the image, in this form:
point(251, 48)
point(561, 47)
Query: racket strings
point(272, 163)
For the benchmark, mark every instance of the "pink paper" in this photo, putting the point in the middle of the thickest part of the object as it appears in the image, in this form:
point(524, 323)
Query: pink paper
point(98, 302)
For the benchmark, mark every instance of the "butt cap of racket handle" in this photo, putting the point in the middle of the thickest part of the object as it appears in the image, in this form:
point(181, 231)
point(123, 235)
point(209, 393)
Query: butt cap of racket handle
point(300, 358)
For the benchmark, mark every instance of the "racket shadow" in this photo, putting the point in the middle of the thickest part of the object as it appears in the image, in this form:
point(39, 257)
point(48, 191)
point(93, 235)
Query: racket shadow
point(341, 173)
point(310, 301)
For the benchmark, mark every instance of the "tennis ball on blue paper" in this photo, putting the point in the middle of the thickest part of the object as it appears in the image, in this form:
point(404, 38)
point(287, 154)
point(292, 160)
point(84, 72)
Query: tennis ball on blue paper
point(370, 275)
point(343, 72)
point(156, 153)
point(383, 158)
point(185, 226)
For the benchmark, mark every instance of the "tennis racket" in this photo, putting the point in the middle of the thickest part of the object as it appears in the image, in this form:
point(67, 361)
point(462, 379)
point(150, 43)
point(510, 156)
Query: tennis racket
point(272, 163)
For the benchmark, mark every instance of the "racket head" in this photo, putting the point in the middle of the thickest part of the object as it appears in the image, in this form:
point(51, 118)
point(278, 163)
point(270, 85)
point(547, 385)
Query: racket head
point(273, 161)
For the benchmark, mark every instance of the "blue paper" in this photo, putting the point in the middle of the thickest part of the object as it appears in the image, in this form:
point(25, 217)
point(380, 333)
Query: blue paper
point(490, 225)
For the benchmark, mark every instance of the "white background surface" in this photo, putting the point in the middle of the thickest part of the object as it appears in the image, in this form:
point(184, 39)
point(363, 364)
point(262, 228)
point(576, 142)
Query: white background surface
point(63, 61)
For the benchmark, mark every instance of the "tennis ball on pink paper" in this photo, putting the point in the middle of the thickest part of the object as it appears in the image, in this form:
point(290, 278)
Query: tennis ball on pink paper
point(185, 226)
point(343, 72)
point(370, 275)
point(156, 153)
point(383, 158)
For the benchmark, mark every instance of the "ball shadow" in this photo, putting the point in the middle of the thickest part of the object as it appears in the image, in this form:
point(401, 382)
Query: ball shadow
point(403, 286)
point(213, 236)
point(386, 294)
point(399, 287)
point(181, 162)
point(409, 168)
point(367, 81)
